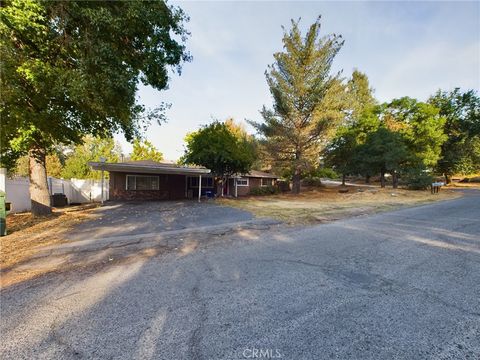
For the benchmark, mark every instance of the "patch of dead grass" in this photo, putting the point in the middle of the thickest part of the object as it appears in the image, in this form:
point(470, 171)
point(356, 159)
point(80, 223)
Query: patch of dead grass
point(26, 233)
point(327, 204)
point(464, 185)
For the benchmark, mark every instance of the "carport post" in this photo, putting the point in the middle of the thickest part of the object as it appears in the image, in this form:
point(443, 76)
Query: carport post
point(186, 187)
point(102, 160)
point(236, 189)
point(199, 187)
point(101, 195)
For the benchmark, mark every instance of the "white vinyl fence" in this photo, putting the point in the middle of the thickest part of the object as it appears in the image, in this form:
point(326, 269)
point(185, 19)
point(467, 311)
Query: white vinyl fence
point(18, 194)
point(77, 191)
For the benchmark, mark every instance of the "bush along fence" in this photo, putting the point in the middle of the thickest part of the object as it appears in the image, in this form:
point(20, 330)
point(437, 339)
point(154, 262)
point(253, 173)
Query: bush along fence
point(77, 191)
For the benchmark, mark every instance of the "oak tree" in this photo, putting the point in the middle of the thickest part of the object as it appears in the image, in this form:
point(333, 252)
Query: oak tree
point(220, 147)
point(71, 68)
point(422, 127)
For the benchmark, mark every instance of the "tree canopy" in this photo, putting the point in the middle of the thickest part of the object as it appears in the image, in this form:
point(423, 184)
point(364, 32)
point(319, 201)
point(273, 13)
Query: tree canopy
point(308, 100)
point(460, 153)
point(91, 149)
point(71, 68)
point(145, 150)
point(362, 119)
point(360, 95)
point(219, 148)
point(384, 151)
point(421, 126)
point(415, 130)
point(54, 166)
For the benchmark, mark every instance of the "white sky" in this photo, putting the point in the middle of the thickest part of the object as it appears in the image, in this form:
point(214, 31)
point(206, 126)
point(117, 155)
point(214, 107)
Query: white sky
point(405, 48)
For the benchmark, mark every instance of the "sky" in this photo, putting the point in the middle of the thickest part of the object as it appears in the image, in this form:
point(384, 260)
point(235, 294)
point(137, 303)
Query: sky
point(405, 48)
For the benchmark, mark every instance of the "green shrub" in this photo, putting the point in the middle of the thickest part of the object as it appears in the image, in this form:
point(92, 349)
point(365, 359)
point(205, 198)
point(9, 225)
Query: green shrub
point(327, 173)
point(324, 172)
point(312, 181)
point(264, 190)
point(418, 179)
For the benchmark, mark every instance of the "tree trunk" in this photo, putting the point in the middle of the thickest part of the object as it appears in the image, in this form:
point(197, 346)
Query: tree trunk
point(382, 179)
point(297, 177)
point(367, 179)
point(395, 180)
point(39, 193)
point(448, 180)
point(343, 179)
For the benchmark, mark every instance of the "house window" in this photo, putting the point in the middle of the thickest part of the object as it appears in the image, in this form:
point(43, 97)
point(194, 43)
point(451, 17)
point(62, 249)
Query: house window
point(242, 182)
point(207, 182)
point(266, 182)
point(142, 182)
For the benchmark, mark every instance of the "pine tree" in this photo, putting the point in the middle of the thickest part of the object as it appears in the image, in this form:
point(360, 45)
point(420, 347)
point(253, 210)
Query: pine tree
point(308, 101)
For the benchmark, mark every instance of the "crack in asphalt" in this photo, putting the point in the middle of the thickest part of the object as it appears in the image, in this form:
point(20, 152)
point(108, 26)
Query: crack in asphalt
point(375, 283)
point(56, 338)
point(194, 342)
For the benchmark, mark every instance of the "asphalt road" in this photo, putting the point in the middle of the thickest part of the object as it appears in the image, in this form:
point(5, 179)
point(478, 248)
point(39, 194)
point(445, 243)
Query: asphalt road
point(398, 285)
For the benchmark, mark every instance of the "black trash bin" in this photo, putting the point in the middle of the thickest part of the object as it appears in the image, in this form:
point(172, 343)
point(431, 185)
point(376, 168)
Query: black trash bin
point(59, 200)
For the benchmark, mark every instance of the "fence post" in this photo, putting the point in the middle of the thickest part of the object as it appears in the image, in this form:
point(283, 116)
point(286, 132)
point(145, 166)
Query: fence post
point(50, 185)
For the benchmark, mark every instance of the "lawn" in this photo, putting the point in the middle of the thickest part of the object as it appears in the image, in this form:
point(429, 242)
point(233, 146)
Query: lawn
point(326, 203)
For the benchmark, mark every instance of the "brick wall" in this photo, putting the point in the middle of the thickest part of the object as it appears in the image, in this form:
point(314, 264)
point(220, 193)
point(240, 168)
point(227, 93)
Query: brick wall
point(171, 187)
point(245, 190)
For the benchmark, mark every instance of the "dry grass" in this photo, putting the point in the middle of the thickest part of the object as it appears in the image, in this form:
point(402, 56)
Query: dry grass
point(327, 204)
point(465, 185)
point(26, 232)
point(461, 181)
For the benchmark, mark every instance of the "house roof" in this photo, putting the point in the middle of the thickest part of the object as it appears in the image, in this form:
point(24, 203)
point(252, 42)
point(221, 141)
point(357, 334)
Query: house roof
point(154, 167)
point(261, 174)
point(149, 167)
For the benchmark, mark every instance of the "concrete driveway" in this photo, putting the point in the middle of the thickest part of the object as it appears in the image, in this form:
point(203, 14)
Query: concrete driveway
point(142, 217)
point(398, 285)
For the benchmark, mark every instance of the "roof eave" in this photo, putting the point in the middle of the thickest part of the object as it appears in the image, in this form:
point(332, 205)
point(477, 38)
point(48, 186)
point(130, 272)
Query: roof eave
point(119, 167)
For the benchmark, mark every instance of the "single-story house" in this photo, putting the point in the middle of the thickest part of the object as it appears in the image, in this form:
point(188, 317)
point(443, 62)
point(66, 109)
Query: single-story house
point(151, 180)
point(241, 185)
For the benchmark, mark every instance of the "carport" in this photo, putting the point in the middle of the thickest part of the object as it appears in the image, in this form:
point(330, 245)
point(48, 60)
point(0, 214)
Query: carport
point(151, 180)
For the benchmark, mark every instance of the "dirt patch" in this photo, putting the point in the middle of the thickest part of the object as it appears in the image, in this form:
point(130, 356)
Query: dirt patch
point(26, 233)
point(32, 269)
point(326, 203)
point(62, 258)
